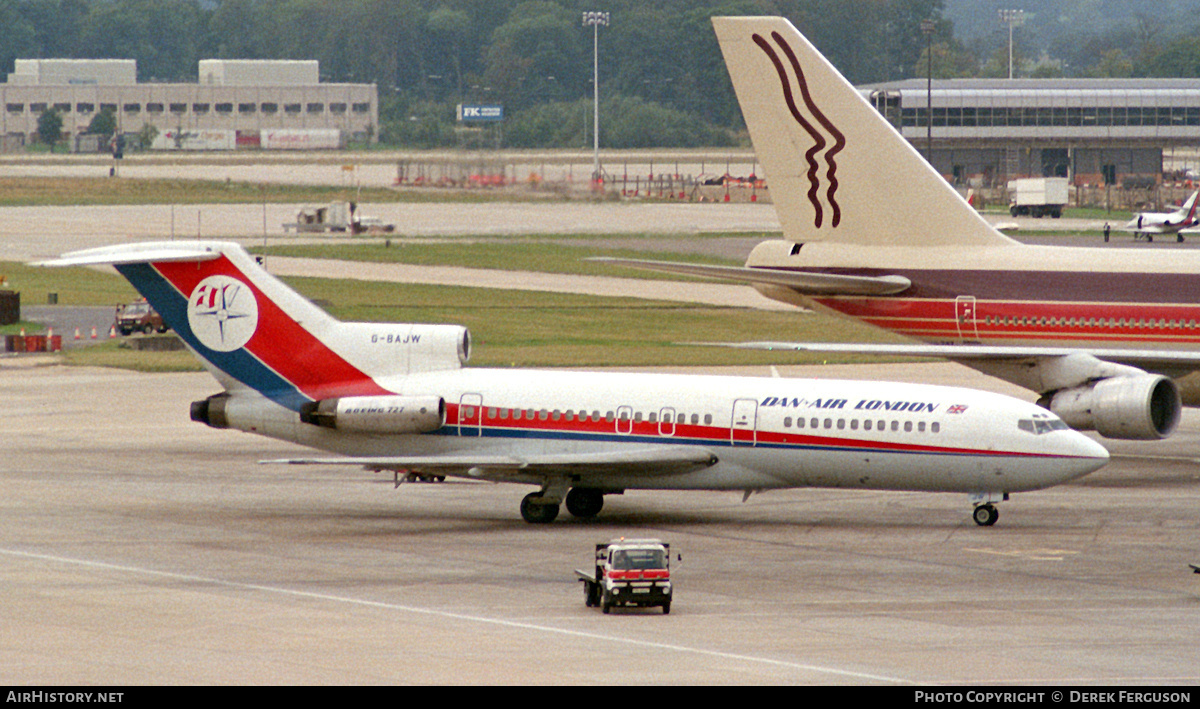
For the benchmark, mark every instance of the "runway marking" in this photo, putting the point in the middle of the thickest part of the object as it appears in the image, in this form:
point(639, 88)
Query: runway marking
point(1033, 554)
point(850, 674)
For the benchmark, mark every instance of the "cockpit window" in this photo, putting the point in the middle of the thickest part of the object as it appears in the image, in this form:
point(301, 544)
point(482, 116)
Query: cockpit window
point(1038, 426)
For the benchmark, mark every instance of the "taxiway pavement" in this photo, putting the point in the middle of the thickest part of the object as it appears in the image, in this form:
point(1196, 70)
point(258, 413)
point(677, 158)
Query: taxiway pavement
point(138, 547)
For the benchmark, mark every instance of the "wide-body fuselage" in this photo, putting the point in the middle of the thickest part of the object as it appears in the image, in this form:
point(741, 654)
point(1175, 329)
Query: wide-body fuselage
point(765, 433)
point(1010, 294)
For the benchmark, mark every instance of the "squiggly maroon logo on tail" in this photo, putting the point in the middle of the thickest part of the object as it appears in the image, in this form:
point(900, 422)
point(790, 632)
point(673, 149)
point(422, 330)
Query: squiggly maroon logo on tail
point(819, 140)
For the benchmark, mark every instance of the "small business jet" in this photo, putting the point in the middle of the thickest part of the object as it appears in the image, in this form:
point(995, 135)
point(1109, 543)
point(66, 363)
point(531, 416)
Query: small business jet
point(873, 233)
point(396, 397)
point(1179, 222)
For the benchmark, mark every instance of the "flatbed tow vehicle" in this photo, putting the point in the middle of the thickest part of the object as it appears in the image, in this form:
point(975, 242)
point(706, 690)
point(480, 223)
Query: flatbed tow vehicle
point(629, 572)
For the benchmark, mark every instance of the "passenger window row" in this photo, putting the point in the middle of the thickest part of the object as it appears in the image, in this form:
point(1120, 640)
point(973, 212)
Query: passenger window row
point(842, 424)
point(1140, 323)
point(624, 414)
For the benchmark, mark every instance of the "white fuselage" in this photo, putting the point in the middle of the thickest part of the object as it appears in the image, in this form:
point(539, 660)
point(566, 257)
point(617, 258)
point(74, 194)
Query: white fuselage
point(765, 433)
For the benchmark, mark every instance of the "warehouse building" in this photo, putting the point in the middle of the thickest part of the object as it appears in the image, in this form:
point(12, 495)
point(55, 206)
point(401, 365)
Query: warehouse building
point(1097, 132)
point(246, 100)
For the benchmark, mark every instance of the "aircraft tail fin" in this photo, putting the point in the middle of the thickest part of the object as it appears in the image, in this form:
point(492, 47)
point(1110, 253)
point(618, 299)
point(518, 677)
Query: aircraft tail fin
point(253, 331)
point(836, 169)
point(1189, 208)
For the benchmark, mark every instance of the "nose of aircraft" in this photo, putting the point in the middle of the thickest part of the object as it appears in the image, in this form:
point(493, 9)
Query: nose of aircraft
point(1085, 454)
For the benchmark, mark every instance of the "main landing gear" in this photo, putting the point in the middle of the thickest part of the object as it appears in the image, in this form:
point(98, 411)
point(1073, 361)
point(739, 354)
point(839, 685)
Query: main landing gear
point(542, 507)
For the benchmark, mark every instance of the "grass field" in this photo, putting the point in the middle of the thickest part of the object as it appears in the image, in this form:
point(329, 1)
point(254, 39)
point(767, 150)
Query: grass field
point(510, 254)
point(510, 328)
point(83, 191)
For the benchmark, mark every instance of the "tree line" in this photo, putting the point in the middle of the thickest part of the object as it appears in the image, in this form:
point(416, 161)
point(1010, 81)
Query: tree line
point(662, 79)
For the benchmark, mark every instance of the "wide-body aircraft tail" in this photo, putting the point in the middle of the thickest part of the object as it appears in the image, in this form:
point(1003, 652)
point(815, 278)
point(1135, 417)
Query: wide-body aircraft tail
point(254, 332)
point(837, 170)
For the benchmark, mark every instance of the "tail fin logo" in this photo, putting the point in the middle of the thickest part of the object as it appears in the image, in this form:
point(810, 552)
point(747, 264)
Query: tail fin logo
point(223, 313)
point(834, 142)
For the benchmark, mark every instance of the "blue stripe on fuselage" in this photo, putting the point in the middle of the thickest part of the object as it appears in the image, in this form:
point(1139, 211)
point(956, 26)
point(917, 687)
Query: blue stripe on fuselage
point(239, 364)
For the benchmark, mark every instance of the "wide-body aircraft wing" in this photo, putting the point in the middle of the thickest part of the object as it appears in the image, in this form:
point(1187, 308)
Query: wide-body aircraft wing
point(1175, 363)
point(807, 282)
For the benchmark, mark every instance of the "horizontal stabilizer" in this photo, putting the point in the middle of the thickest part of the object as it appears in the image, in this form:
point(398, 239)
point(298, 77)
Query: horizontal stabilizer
point(806, 282)
point(156, 252)
point(658, 460)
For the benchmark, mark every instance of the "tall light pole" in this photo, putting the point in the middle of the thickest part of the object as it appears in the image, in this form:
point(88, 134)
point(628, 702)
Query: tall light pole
point(1012, 18)
point(595, 19)
point(927, 28)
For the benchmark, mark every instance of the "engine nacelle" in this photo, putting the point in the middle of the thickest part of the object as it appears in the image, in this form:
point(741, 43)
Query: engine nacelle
point(377, 414)
point(211, 411)
point(1144, 407)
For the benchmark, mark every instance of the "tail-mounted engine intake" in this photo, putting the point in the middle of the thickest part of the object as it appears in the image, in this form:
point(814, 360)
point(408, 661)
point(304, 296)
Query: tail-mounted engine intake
point(1145, 407)
point(377, 414)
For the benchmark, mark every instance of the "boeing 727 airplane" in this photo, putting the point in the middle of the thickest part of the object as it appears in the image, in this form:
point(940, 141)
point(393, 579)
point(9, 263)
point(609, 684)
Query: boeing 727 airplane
point(872, 232)
point(396, 397)
point(1178, 222)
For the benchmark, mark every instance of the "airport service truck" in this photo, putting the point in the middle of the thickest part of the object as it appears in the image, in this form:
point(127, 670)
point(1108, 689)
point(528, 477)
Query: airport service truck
point(1038, 197)
point(629, 572)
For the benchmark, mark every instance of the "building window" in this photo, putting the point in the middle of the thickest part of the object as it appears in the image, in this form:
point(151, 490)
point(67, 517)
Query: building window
point(154, 108)
point(179, 108)
point(246, 108)
point(37, 107)
point(15, 107)
point(270, 108)
point(337, 108)
point(291, 108)
point(85, 107)
point(132, 108)
point(361, 107)
point(223, 108)
point(110, 107)
point(316, 108)
point(62, 107)
point(199, 108)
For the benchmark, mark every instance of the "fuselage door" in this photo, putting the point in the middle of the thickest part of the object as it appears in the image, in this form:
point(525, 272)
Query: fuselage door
point(470, 415)
point(666, 422)
point(624, 419)
point(743, 430)
point(964, 316)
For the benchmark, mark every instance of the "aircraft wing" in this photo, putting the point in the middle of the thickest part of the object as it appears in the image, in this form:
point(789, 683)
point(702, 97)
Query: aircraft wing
point(1173, 362)
point(807, 282)
point(649, 461)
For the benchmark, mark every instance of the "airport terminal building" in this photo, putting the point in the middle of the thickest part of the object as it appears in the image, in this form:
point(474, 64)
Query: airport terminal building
point(234, 102)
point(1097, 132)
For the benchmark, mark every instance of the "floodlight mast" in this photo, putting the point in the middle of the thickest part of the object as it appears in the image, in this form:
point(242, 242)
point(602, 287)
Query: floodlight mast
point(1013, 18)
point(595, 20)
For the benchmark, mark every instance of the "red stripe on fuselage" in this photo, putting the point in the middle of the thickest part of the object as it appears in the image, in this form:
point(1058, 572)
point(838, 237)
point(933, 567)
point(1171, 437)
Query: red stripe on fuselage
point(280, 342)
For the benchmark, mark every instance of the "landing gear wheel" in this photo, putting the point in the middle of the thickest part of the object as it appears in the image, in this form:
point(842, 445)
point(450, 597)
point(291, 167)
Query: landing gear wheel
point(584, 502)
point(985, 515)
point(534, 511)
